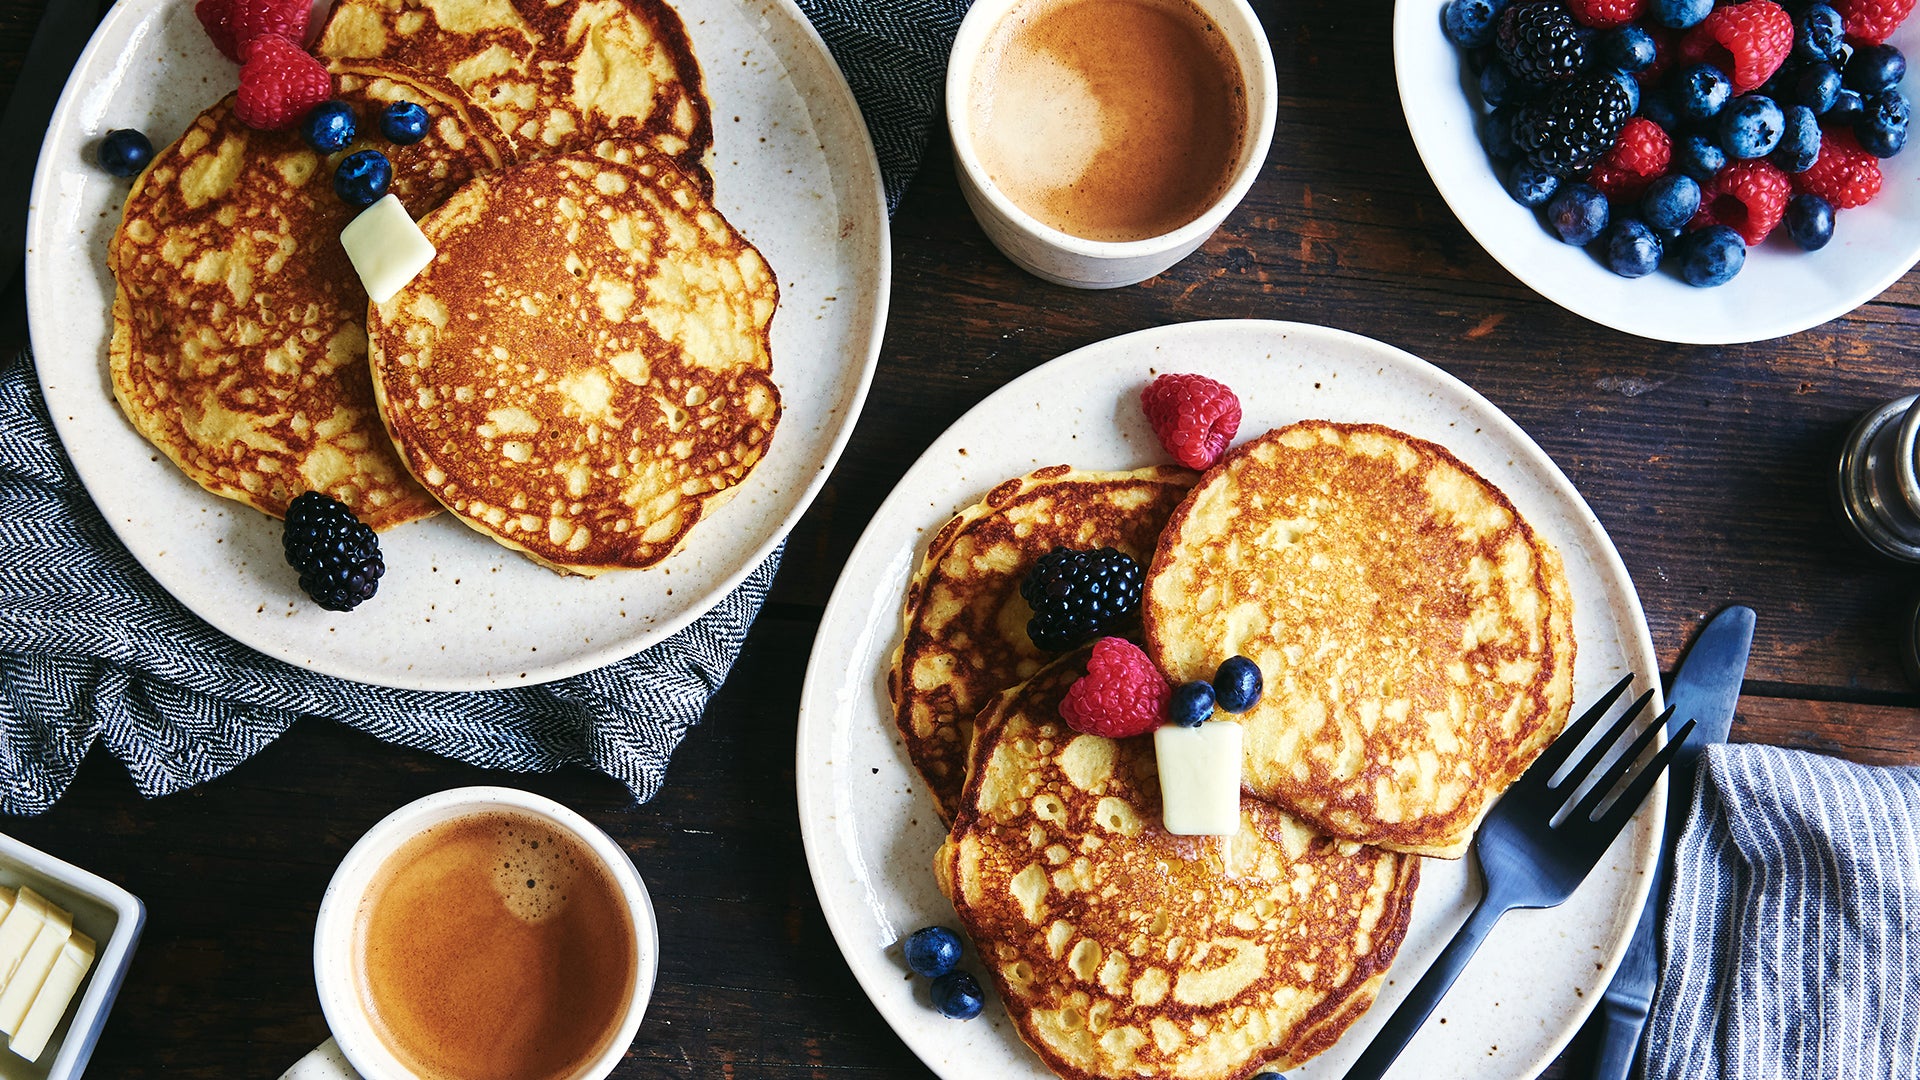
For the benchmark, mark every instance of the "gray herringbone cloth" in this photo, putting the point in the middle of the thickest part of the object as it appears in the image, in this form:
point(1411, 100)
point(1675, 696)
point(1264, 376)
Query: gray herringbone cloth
point(1792, 942)
point(91, 649)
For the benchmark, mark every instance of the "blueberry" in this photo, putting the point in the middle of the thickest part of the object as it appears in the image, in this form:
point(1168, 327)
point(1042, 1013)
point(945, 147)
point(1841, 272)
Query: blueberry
point(330, 126)
point(1810, 221)
point(1817, 87)
point(403, 122)
point(932, 951)
point(1469, 23)
point(1192, 703)
point(1628, 49)
point(1577, 214)
point(1779, 85)
point(1498, 86)
point(1678, 14)
point(1657, 106)
point(125, 152)
point(1751, 127)
point(1631, 86)
point(1712, 256)
point(362, 178)
point(1497, 133)
point(1671, 201)
point(1799, 141)
point(1882, 126)
point(1699, 157)
point(1236, 685)
point(1632, 249)
point(1700, 92)
point(1874, 68)
point(1531, 185)
point(1847, 107)
point(957, 995)
point(1817, 35)
point(1269, 1076)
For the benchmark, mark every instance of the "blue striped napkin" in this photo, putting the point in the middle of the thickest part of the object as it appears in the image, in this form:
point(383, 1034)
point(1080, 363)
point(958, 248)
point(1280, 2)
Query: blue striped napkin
point(1792, 942)
point(94, 652)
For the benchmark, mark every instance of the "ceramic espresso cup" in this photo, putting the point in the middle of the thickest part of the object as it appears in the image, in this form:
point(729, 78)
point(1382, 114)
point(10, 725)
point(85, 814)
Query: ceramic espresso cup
point(393, 945)
point(993, 104)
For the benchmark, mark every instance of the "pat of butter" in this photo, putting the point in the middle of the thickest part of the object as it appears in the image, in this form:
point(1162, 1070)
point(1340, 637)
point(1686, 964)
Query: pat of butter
point(34, 968)
point(386, 247)
point(56, 993)
point(1199, 778)
point(19, 928)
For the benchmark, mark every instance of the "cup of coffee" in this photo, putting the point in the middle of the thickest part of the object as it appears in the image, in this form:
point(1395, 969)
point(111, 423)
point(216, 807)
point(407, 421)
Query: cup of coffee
point(482, 933)
point(1099, 142)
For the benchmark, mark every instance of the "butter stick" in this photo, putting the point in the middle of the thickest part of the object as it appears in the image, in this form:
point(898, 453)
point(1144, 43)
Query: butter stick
point(19, 928)
point(56, 993)
point(34, 966)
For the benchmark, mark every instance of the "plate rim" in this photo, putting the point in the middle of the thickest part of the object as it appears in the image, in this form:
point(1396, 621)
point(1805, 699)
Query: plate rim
point(1408, 18)
point(818, 834)
point(861, 154)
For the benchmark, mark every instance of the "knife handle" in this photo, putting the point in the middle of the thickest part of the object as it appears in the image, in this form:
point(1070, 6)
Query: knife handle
point(1619, 1041)
point(1426, 994)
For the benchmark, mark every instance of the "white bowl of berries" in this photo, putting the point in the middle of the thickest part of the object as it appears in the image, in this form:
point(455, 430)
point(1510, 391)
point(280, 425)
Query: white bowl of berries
point(1683, 170)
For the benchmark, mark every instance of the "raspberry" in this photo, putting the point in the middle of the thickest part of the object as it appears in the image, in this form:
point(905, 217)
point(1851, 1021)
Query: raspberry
point(1194, 416)
point(1666, 46)
point(279, 82)
point(337, 555)
point(1638, 159)
point(1077, 594)
point(1121, 694)
point(1872, 21)
point(1843, 174)
point(1747, 41)
point(233, 23)
point(1747, 196)
point(1605, 14)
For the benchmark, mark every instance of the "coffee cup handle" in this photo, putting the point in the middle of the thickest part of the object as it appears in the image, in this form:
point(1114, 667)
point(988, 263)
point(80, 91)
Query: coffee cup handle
point(325, 1062)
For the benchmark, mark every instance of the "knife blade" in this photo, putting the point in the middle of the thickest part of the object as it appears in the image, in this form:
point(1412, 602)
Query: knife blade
point(1706, 687)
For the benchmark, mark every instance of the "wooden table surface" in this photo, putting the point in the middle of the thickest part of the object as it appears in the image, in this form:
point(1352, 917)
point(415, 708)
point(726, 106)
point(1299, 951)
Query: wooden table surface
point(1707, 465)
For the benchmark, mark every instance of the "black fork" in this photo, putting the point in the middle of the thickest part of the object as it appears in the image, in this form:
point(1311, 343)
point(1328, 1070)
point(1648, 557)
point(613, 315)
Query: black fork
point(1528, 860)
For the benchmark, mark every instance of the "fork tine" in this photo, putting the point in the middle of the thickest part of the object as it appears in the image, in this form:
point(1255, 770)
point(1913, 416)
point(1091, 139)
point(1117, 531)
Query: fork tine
point(1569, 738)
point(1591, 801)
point(1605, 743)
point(1616, 817)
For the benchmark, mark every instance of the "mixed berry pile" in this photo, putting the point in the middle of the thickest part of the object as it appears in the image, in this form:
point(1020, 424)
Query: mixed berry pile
point(1687, 131)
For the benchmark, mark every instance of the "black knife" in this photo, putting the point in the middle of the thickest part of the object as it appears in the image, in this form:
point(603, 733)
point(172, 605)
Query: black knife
point(64, 28)
point(1706, 687)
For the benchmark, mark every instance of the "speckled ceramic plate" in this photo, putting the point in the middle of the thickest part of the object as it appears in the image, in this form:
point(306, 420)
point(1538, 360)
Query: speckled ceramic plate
point(1782, 290)
point(871, 830)
point(794, 171)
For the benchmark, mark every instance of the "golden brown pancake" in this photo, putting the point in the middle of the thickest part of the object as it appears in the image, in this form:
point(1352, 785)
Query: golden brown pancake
point(558, 75)
point(966, 624)
point(1120, 950)
point(1414, 634)
point(239, 342)
point(584, 371)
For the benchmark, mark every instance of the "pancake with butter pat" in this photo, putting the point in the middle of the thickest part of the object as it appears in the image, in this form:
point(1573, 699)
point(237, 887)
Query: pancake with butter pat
point(584, 371)
point(239, 341)
point(1414, 634)
point(1120, 950)
point(558, 75)
point(965, 634)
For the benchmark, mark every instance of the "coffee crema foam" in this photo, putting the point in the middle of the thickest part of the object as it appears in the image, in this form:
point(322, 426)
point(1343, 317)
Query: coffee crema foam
point(1110, 120)
point(494, 946)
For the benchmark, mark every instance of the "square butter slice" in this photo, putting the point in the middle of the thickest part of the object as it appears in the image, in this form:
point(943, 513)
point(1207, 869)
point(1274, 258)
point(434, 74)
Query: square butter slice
point(33, 969)
point(50, 1004)
point(386, 248)
point(1199, 778)
point(19, 928)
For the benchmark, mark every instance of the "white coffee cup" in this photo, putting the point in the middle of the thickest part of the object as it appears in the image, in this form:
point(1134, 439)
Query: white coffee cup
point(355, 1052)
point(1063, 258)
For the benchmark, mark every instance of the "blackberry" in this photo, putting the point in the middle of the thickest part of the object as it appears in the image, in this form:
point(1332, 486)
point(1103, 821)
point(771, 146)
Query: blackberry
point(1567, 132)
point(1077, 594)
point(338, 556)
point(1541, 43)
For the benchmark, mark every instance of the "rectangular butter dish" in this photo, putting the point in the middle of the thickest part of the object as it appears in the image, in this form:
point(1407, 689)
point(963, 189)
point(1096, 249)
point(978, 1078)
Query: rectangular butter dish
point(110, 915)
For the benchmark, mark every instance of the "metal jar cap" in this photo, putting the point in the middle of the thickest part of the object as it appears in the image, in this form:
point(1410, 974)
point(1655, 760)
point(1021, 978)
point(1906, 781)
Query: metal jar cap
point(1877, 483)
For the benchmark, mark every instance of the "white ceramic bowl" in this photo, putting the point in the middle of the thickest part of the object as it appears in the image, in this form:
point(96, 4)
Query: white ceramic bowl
point(103, 911)
point(1781, 291)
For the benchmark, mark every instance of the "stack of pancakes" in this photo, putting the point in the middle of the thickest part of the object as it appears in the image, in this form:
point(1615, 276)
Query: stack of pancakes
point(583, 372)
point(1415, 639)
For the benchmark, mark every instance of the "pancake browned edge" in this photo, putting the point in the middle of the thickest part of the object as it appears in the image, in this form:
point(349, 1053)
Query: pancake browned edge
point(1415, 634)
point(558, 75)
point(965, 624)
point(239, 344)
point(1120, 950)
point(584, 371)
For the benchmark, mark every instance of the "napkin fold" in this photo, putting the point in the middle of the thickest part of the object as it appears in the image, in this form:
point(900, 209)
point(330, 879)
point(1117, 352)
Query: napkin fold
point(1792, 941)
point(92, 649)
